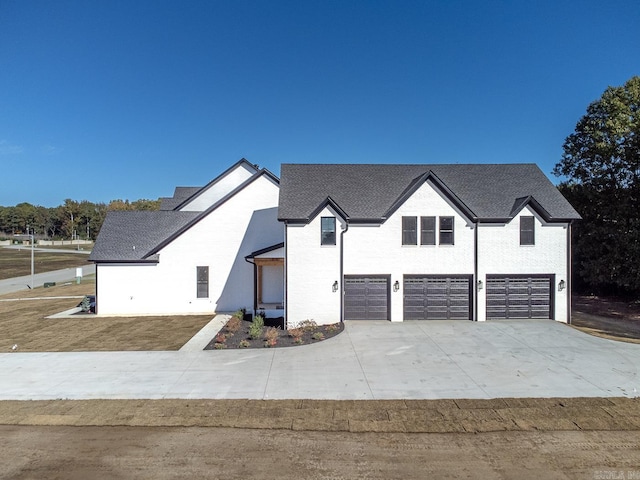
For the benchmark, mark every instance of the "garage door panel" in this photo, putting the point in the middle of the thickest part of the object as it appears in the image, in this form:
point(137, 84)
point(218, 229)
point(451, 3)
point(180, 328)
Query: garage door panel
point(366, 298)
point(519, 296)
point(437, 297)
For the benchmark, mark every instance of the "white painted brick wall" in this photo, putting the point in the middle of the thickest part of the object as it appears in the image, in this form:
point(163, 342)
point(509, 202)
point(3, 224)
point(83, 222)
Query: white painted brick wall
point(245, 223)
point(311, 271)
point(500, 252)
point(370, 250)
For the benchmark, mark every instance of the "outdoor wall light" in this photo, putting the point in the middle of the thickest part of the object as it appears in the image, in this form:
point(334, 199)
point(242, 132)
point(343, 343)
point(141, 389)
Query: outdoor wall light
point(561, 285)
point(479, 284)
point(335, 286)
point(396, 286)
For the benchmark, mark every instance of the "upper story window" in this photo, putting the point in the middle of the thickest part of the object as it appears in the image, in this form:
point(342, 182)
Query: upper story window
point(328, 231)
point(409, 230)
point(527, 231)
point(202, 279)
point(446, 230)
point(427, 230)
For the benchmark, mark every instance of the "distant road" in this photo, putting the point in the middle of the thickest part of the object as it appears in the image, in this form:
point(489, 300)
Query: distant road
point(50, 250)
point(59, 276)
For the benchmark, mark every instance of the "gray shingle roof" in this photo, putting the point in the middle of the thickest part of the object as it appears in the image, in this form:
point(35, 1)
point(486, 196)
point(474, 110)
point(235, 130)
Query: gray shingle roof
point(369, 191)
point(144, 230)
point(179, 195)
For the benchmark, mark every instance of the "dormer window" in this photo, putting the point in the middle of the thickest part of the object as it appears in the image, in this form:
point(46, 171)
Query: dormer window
point(527, 231)
point(328, 231)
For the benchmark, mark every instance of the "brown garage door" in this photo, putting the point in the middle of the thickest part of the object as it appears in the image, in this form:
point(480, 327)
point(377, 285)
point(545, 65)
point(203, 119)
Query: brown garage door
point(437, 297)
point(520, 296)
point(366, 297)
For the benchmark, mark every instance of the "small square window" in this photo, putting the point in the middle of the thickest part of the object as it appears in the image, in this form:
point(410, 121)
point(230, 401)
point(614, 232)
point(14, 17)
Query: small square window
point(409, 230)
point(527, 231)
point(427, 230)
point(203, 282)
point(446, 230)
point(328, 234)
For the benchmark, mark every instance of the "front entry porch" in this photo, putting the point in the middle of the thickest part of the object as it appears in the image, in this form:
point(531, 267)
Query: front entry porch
point(268, 280)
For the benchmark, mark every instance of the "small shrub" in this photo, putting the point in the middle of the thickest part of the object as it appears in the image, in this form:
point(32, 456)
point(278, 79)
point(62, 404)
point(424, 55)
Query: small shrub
point(334, 327)
point(219, 346)
point(295, 333)
point(238, 314)
point(86, 304)
point(271, 337)
point(298, 341)
point(244, 344)
point(234, 324)
point(308, 325)
point(221, 338)
point(318, 336)
point(256, 328)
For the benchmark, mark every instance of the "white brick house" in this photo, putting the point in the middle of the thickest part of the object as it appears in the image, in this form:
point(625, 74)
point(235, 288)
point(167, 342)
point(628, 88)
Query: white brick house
point(346, 242)
point(189, 257)
point(420, 242)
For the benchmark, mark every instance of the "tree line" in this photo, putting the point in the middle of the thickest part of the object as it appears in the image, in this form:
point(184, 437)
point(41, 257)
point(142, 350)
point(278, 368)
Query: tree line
point(71, 220)
point(601, 167)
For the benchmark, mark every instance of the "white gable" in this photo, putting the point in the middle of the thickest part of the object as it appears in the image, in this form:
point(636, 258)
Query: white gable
point(220, 187)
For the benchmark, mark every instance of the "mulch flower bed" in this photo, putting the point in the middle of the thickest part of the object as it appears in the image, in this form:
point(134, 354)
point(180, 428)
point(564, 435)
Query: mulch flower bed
point(237, 334)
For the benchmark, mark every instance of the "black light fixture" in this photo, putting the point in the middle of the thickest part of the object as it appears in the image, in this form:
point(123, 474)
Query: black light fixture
point(479, 284)
point(335, 286)
point(561, 285)
point(396, 286)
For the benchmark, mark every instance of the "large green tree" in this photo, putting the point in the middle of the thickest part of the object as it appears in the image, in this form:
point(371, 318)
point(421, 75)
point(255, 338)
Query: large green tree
point(601, 164)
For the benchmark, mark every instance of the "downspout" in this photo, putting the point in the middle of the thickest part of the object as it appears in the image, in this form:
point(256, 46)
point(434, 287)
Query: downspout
point(286, 285)
point(255, 285)
point(96, 312)
point(569, 273)
point(344, 230)
point(475, 273)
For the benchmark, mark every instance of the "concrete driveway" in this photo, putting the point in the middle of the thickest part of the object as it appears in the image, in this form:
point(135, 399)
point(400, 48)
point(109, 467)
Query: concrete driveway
point(369, 360)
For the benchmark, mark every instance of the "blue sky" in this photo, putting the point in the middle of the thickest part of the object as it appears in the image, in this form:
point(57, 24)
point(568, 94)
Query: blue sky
point(107, 99)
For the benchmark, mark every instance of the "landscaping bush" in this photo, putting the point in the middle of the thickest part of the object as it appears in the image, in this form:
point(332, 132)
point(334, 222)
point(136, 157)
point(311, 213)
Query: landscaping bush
point(256, 328)
point(271, 337)
point(308, 325)
point(234, 324)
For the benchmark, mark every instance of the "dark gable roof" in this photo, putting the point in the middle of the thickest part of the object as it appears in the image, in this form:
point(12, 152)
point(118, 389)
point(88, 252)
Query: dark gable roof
point(124, 230)
point(372, 192)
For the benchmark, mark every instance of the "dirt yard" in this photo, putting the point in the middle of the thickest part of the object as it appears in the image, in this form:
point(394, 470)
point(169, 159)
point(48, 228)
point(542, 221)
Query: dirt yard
point(222, 453)
point(321, 439)
point(23, 323)
point(611, 318)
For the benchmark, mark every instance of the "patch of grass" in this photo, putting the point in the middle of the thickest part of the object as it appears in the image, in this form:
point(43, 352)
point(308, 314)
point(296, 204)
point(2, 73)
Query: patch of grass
point(23, 323)
point(17, 262)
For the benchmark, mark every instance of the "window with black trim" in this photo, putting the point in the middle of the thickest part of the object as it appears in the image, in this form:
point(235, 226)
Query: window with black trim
point(446, 230)
point(527, 231)
point(427, 230)
point(328, 231)
point(409, 230)
point(202, 282)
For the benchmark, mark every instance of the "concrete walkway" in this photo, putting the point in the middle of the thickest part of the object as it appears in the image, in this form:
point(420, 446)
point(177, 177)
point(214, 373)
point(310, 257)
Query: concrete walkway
point(369, 360)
